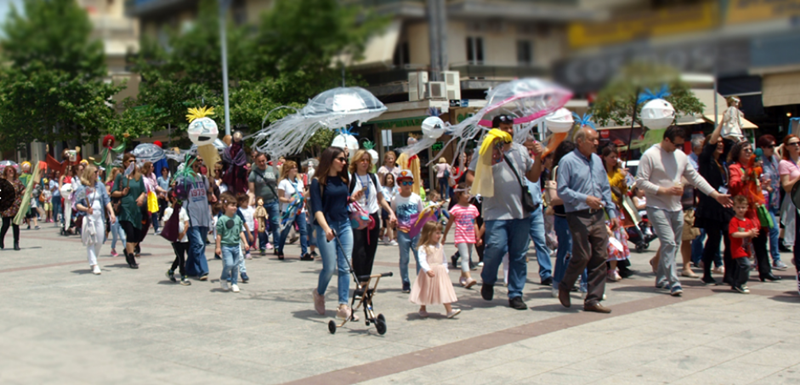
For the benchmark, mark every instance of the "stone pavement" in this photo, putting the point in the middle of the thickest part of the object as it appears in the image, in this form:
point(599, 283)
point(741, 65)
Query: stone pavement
point(62, 325)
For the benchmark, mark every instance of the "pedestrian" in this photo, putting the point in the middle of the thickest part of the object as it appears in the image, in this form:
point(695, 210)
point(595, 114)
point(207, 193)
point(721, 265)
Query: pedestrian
point(181, 245)
point(583, 187)
point(433, 287)
point(789, 170)
point(116, 228)
point(407, 205)
point(389, 230)
point(230, 232)
point(367, 193)
point(537, 231)
point(619, 188)
point(292, 191)
point(11, 175)
point(91, 198)
point(246, 213)
point(197, 206)
point(263, 183)
point(47, 200)
point(129, 187)
point(771, 181)
point(463, 215)
point(443, 172)
point(57, 208)
point(67, 185)
point(663, 170)
point(742, 230)
point(389, 166)
point(163, 200)
point(329, 202)
point(499, 181)
point(744, 181)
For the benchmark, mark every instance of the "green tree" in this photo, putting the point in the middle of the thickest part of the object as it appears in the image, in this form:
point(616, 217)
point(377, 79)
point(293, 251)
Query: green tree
point(52, 87)
point(614, 103)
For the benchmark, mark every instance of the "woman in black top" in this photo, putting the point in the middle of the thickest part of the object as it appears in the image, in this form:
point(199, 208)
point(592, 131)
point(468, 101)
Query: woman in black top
point(329, 200)
point(710, 215)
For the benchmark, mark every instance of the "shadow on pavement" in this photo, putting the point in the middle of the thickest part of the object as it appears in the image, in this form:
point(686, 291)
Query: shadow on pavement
point(82, 272)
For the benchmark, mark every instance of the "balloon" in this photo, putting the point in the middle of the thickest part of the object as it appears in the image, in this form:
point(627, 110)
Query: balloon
point(203, 131)
point(433, 127)
point(657, 114)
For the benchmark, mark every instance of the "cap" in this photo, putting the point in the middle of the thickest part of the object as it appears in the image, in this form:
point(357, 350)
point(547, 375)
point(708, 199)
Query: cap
point(405, 174)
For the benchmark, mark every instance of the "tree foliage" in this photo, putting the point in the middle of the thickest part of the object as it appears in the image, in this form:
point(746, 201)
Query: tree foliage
point(52, 87)
point(614, 103)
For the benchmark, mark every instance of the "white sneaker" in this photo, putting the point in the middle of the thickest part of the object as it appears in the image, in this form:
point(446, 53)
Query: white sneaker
point(223, 285)
point(235, 288)
point(96, 270)
point(554, 292)
point(393, 243)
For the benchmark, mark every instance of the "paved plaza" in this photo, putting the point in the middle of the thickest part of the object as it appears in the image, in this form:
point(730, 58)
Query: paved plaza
point(60, 324)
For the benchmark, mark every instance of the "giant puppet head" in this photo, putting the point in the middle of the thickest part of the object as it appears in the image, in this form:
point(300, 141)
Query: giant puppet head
point(202, 129)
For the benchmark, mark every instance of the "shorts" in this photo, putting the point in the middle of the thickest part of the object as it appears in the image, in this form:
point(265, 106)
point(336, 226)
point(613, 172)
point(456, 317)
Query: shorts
point(48, 206)
point(130, 231)
point(384, 216)
point(689, 231)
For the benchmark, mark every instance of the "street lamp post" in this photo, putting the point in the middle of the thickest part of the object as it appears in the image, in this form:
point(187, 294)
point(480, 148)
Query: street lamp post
point(223, 10)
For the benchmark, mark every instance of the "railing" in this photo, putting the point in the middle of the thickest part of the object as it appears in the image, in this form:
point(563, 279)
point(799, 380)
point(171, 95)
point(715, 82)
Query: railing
point(490, 71)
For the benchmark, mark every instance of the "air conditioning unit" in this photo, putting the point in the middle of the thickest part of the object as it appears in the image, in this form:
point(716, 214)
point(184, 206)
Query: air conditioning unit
point(452, 80)
point(436, 90)
point(416, 85)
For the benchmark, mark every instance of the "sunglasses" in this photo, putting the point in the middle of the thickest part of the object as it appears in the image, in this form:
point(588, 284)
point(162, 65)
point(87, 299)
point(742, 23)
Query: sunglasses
point(793, 144)
point(406, 183)
point(505, 118)
point(342, 159)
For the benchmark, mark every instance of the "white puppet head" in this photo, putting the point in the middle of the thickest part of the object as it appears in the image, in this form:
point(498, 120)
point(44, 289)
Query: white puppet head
point(202, 129)
point(658, 114)
point(432, 127)
point(347, 141)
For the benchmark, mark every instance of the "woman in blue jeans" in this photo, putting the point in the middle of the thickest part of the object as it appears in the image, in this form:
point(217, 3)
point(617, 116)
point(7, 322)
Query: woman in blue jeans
point(329, 199)
point(560, 223)
point(291, 189)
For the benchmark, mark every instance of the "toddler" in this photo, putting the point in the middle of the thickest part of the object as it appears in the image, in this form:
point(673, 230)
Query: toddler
point(433, 287)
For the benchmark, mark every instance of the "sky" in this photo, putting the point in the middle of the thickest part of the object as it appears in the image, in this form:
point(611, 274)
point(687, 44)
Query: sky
point(5, 6)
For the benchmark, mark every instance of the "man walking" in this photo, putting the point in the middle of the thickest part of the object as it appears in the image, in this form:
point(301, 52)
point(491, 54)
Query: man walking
point(507, 223)
point(584, 188)
point(660, 174)
point(199, 220)
point(537, 232)
point(263, 183)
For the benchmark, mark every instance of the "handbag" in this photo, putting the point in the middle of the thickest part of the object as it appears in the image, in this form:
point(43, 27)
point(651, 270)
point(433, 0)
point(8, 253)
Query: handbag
point(764, 217)
point(527, 198)
point(152, 202)
point(171, 228)
point(360, 218)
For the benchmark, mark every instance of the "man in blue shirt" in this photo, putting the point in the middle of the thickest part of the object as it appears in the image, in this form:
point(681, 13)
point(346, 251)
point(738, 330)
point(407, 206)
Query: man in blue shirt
point(584, 188)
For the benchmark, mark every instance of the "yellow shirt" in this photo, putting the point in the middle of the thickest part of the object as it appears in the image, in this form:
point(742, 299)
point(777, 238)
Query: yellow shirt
point(617, 182)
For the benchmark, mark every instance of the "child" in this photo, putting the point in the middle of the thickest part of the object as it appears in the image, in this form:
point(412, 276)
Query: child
point(742, 231)
point(47, 203)
point(640, 201)
point(434, 286)
point(389, 192)
point(229, 233)
point(407, 207)
point(181, 246)
point(463, 214)
point(245, 213)
point(260, 219)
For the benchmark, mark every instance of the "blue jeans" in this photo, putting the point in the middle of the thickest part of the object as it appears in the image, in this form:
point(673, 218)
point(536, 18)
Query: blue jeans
point(231, 257)
point(274, 212)
point(155, 221)
point(564, 253)
point(312, 240)
point(196, 264)
point(507, 236)
point(774, 232)
point(407, 244)
point(117, 232)
point(697, 250)
point(300, 219)
point(57, 209)
point(332, 255)
point(540, 244)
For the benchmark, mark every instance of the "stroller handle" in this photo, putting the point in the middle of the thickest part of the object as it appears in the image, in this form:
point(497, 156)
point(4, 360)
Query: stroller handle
point(363, 278)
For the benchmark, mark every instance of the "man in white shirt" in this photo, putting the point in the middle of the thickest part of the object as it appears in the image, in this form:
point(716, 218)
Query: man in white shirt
point(660, 170)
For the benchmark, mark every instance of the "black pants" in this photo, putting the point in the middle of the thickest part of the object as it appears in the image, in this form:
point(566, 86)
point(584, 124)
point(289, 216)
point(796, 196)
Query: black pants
point(715, 231)
point(7, 221)
point(741, 271)
point(762, 256)
point(181, 250)
point(365, 244)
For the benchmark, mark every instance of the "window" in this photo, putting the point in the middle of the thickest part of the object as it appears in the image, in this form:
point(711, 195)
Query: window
point(525, 52)
point(401, 56)
point(475, 50)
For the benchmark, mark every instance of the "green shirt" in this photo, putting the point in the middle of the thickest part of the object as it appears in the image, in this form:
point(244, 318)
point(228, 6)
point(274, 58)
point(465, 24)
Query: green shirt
point(265, 183)
point(129, 210)
point(230, 236)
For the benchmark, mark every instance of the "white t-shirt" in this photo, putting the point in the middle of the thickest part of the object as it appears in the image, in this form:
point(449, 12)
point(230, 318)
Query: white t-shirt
point(405, 208)
point(183, 217)
point(369, 201)
point(289, 190)
point(248, 214)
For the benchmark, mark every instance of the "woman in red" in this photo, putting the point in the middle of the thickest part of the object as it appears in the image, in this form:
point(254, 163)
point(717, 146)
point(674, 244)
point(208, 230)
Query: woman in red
point(744, 182)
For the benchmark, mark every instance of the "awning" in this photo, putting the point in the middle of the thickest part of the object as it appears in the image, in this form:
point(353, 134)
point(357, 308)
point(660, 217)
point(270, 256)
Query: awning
point(746, 124)
point(379, 49)
point(781, 89)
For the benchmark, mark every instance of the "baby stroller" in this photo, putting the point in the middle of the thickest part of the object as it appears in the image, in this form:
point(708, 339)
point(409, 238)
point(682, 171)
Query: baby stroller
point(636, 233)
point(364, 294)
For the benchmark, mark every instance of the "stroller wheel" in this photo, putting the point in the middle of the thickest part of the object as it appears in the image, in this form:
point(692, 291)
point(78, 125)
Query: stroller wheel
point(641, 247)
point(380, 324)
point(332, 327)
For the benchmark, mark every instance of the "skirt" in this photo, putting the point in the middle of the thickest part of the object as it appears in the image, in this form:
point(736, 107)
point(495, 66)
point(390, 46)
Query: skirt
point(437, 290)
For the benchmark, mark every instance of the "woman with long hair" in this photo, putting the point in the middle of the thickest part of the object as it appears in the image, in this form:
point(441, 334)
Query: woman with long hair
point(389, 166)
point(789, 170)
point(116, 229)
point(367, 192)
point(291, 189)
point(619, 188)
point(744, 182)
point(12, 176)
point(129, 186)
point(329, 200)
point(91, 198)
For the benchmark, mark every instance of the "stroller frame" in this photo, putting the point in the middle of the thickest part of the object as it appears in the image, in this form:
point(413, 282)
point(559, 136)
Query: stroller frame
point(364, 293)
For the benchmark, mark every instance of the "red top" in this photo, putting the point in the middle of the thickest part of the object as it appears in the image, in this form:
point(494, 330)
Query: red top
point(737, 187)
point(740, 247)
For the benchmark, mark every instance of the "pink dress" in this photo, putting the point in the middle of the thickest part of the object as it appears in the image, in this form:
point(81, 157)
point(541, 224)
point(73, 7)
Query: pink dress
point(464, 218)
point(436, 290)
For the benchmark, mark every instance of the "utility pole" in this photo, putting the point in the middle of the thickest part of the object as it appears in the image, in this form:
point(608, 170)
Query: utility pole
point(437, 34)
point(223, 11)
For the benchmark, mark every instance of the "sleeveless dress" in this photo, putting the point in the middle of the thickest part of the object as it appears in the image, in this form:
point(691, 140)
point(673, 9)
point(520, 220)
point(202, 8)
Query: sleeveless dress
point(437, 290)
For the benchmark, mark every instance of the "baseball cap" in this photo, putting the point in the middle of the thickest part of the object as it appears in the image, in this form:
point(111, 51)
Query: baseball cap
point(405, 174)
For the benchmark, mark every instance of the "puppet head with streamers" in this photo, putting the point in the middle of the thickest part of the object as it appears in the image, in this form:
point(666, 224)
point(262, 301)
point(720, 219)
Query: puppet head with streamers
point(346, 140)
point(203, 131)
point(657, 113)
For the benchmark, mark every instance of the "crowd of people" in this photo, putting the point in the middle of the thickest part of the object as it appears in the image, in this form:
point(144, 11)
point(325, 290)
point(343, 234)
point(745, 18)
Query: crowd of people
point(718, 206)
